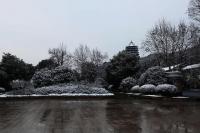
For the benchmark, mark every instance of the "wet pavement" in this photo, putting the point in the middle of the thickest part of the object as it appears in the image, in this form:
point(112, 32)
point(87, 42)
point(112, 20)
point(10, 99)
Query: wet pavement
point(99, 116)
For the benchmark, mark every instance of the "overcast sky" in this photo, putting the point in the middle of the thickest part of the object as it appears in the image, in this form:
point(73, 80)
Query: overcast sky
point(28, 28)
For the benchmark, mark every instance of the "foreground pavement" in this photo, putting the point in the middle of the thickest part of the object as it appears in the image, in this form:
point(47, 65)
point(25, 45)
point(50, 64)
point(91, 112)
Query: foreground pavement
point(98, 116)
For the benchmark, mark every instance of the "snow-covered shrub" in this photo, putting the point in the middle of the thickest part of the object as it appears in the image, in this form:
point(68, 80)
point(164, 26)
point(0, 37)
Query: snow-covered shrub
point(154, 75)
point(127, 84)
point(148, 88)
point(166, 89)
point(2, 90)
point(47, 77)
point(18, 84)
point(136, 89)
point(70, 89)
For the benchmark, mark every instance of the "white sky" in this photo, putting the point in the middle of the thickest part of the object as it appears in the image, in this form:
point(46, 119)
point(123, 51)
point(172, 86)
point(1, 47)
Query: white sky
point(28, 28)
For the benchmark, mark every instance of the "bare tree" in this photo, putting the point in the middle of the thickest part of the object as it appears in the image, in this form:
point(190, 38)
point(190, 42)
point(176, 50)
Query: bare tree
point(195, 42)
point(184, 42)
point(81, 55)
point(194, 10)
point(194, 34)
point(161, 40)
point(194, 13)
point(61, 56)
point(97, 57)
point(171, 43)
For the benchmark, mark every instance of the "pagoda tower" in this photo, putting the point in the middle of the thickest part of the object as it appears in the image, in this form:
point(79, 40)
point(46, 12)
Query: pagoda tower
point(132, 49)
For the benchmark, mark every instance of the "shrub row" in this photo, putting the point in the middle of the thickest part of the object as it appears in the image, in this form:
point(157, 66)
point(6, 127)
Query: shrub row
point(155, 76)
point(164, 89)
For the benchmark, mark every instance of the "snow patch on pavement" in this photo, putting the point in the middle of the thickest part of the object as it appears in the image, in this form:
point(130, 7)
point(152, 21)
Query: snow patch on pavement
point(156, 96)
point(180, 97)
point(56, 95)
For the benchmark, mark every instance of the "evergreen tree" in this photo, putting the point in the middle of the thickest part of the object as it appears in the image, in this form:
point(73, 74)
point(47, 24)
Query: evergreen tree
point(121, 66)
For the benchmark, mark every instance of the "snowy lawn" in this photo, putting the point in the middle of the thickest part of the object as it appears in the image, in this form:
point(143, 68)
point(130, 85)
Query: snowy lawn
point(59, 90)
point(56, 95)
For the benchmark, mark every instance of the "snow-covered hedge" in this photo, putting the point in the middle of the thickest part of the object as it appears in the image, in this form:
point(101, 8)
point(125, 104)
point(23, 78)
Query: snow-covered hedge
point(127, 84)
point(2, 90)
point(47, 77)
point(69, 89)
point(166, 89)
point(154, 75)
point(148, 88)
point(136, 89)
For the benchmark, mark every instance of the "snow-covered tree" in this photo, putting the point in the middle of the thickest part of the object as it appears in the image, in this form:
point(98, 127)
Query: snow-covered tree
point(122, 65)
point(154, 75)
point(42, 78)
point(58, 75)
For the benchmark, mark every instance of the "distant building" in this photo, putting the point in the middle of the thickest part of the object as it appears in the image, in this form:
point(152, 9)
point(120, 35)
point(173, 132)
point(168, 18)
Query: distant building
point(132, 49)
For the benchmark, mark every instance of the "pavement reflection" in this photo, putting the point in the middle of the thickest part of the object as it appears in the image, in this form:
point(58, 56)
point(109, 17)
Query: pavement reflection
point(99, 116)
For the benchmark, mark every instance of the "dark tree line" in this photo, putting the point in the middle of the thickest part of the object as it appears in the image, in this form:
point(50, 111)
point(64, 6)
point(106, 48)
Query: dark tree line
point(13, 68)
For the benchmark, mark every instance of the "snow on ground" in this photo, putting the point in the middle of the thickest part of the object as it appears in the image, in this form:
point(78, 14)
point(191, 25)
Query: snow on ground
point(59, 90)
point(83, 95)
point(180, 97)
point(156, 96)
point(56, 95)
point(185, 68)
point(172, 67)
point(192, 66)
point(136, 94)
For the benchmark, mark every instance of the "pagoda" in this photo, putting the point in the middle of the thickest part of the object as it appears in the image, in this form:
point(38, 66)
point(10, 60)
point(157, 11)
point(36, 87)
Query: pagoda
point(132, 49)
